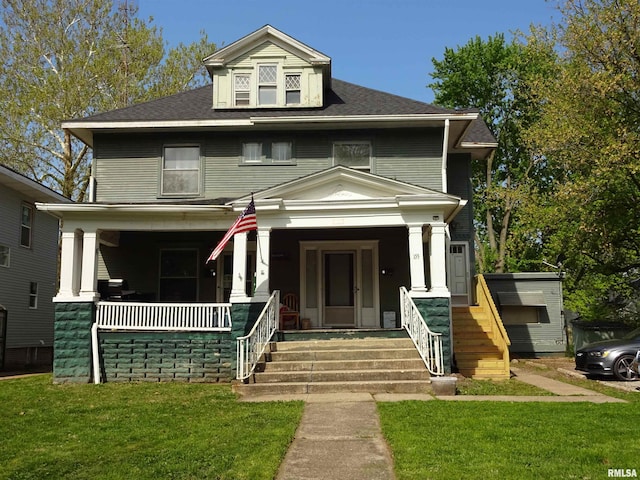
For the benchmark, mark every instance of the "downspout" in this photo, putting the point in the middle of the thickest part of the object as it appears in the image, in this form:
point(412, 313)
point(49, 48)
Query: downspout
point(445, 147)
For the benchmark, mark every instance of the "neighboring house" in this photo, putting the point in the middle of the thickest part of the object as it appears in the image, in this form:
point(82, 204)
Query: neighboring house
point(28, 271)
point(358, 193)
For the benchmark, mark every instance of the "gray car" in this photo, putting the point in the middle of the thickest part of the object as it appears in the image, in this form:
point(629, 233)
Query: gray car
point(610, 357)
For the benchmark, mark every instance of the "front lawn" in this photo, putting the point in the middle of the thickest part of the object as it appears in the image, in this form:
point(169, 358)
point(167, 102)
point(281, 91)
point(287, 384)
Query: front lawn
point(501, 440)
point(139, 431)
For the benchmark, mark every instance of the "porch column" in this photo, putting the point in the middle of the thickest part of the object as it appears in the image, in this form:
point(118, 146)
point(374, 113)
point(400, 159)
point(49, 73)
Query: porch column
point(88, 284)
point(238, 294)
point(437, 258)
point(262, 292)
point(70, 255)
point(416, 258)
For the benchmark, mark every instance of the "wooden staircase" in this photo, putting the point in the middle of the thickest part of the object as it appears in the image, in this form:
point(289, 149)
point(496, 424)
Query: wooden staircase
point(372, 365)
point(477, 352)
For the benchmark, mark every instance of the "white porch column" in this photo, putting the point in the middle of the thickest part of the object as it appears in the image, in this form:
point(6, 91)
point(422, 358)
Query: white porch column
point(262, 292)
point(88, 284)
point(438, 258)
point(416, 258)
point(70, 255)
point(238, 283)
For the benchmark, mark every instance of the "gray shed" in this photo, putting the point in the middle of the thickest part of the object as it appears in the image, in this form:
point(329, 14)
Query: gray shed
point(530, 305)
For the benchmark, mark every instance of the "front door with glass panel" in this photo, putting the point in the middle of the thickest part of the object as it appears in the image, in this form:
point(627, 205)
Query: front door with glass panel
point(340, 284)
point(339, 289)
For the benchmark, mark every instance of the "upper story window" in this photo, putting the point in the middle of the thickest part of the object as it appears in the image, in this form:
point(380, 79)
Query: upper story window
point(252, 152)
point(33, 295)
point(267, 84)
point(281, 151)
point(26, 225)
point(242, 89)
point(352, 154)
point(292, 88)
point(181, 170)
point(4, 255)
point(269, 153)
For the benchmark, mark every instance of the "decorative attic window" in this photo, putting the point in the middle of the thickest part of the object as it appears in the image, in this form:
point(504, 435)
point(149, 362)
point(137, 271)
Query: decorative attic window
point(352, 154)
point(267, 84)
point(242, 89)
point(181, 171)
point(292, 88)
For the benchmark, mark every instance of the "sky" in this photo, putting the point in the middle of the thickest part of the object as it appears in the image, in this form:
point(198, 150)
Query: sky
point(386, 45)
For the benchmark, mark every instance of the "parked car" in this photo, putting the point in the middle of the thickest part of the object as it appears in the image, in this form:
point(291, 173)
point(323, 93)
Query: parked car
point(610, 357)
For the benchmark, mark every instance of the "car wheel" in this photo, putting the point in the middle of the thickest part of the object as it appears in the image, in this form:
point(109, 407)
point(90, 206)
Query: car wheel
point(622, 369)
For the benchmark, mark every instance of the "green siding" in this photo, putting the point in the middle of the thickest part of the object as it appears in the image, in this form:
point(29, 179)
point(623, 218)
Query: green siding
point(413, 156)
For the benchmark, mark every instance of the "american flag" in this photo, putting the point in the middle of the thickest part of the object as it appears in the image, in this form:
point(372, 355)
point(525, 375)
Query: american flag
point(245, 222)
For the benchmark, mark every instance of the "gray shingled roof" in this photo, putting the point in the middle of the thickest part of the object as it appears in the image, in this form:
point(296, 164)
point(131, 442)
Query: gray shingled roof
point(344, 99)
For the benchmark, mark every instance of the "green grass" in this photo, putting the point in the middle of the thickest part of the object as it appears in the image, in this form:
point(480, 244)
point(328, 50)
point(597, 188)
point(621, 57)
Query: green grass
point(139, 431)
point(502, 440)
point(469, 386)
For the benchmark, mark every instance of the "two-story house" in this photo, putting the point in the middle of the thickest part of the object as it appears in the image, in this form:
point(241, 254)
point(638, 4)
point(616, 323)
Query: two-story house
point(28, 272)
point(357, 194)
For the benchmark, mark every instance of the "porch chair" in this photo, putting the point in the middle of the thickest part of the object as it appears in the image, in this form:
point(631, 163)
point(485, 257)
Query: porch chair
point(289, 312)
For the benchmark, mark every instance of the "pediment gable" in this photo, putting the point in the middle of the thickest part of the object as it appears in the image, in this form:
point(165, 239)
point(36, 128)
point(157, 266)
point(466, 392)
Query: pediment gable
point(344, 185)
point(265, 36)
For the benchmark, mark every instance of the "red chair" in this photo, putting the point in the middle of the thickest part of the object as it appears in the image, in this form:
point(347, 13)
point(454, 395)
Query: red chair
point(289, 312)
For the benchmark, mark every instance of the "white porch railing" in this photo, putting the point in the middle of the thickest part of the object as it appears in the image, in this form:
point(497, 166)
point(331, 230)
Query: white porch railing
point(252, 346)
point(201, 317)
point(428, 343)
point(164, 316)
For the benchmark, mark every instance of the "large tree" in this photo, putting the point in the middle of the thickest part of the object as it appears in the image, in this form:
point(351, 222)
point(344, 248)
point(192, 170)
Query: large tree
point(589, 129)
point(491, 76)
point(64, 59)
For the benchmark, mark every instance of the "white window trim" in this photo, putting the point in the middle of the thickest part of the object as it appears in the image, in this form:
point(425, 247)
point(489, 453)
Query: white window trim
point(353, 142)
point(244, 160)
point(8, 264)
point(162, 170)
point(278, 84)
point(249, 90)
point(285, 89)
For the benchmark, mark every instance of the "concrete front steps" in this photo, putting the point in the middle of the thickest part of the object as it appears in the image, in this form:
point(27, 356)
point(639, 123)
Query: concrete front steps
point(371, 365)
point(477, 354)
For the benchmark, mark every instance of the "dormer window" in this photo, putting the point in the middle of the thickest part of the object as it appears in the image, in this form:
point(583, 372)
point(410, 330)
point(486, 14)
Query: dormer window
point(267, 84)
point(242, 89)
point(292, 88)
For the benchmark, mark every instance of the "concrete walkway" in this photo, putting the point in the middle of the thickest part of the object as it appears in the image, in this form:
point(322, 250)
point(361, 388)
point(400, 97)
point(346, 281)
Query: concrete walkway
point(338, 440)
point(339, 436)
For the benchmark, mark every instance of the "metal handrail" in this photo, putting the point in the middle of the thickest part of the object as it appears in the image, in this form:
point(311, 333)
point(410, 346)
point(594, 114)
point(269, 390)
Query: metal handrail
point(428, 343)
point(251, 347)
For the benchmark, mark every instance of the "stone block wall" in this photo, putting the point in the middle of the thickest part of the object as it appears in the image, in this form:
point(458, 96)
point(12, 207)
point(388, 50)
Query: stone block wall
point(167, 356)
point(72, 342)
point(437, 314)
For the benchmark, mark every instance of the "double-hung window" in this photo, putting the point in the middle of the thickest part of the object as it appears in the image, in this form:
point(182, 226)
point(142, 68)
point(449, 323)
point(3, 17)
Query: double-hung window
point(33, 295)
point(267, 84)
point(352, 154)
point(292, 88)
point(252, 152)
point(242, 89)
point(4, 255)
point(181, 170)
point(281, 151)
point(26, 225)
point(178, 275)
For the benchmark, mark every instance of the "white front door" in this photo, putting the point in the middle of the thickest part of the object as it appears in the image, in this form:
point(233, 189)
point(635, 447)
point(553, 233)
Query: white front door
point(459, 273)
point(340, 284)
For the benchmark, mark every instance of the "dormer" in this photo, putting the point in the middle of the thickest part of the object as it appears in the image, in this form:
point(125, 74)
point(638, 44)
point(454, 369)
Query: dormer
point(268, 69)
